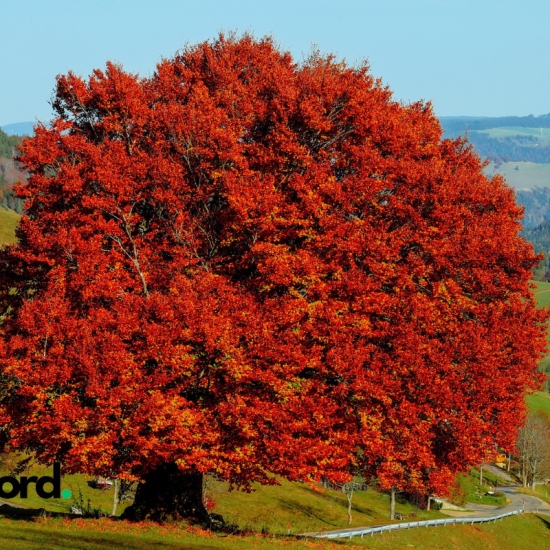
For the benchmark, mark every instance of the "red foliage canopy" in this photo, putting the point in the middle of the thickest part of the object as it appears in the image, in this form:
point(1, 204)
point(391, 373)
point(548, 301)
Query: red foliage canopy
point(249, 266)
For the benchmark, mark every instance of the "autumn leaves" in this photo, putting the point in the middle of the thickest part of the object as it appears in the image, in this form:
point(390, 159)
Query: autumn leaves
point(252, 267)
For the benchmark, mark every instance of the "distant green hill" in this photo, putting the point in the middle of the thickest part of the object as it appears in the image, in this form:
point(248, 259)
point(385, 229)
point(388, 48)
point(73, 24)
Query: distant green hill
point(542, 295)
point(525, 135)
point(457, 125)
point(539, 401)
point(19, 129)
point(507, 138)
point(531, 182)
point(521, 175)
point(7, 144)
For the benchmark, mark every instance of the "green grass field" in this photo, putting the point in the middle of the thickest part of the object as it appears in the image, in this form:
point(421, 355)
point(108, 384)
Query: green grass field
point(542, 293)
point(542, 134)
point(528, 175)
point(75, 483)
point(273, 509)
point(8, 222)
point(539, 401)
point(531, 531)
point(475, 493)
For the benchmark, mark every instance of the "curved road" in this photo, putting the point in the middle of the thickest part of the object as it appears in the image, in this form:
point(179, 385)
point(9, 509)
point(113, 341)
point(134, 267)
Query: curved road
point(532, 504)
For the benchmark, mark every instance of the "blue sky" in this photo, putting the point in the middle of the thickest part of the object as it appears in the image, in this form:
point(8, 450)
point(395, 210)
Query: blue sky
point(483, 57)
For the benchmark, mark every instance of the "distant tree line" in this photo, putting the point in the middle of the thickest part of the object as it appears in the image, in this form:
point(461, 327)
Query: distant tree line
point(10, 172)
point(11, 202)
point(8, 144)
point(510, 148)
point(506, 149)
point(539, 237)
point(537, 206)
point(455, 126)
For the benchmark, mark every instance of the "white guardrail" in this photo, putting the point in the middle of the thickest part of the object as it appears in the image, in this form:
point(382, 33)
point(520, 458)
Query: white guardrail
point(362, 531)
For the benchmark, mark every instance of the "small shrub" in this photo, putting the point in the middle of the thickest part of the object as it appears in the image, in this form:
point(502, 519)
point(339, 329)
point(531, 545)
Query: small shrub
point(78, 507)
point(457, 492)
point(436, 505)
point(401, 498)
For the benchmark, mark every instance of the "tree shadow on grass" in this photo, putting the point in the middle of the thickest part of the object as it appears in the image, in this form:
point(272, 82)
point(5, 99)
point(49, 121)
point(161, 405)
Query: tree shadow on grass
point(309, 511)
point(294, 506)
point(544, 521)
point(30, 514)
point(20, 514)
point(340, 500)
point(38, 539)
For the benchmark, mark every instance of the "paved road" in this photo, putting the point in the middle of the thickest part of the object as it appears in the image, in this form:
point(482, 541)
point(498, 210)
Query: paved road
point(532, 504)
point(503, 474)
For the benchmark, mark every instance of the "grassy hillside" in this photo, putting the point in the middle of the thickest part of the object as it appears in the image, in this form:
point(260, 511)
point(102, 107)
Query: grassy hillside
point(270, 508)
point(542, 134)
point(476, 494)
point(273, 509)
point(290, 507)
point(77, 483)
point(530, 531)
point(542, 295)
point(527, 176)
point(539, 401)
point(8, 222)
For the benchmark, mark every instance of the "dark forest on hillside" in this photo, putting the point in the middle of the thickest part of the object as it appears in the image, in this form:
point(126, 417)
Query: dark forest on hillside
point(506, 149)
point(9, 172)
point(455, 126)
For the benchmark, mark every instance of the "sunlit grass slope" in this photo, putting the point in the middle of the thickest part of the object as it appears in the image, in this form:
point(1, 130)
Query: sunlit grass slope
point(531, 531)
point(542, 134)
point(514, 533)
point(476, 494)
point(542, 295)
point(267, 508)
point(75, 483)
point(300, 508)
point(8, 222)
point(527, 175)
point(539, 401)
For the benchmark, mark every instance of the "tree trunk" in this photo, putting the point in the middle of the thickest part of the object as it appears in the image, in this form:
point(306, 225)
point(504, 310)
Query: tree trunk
point(392, 503)
point(480, 476)
point(523, 476)
point(115, 497)
point(168, 494)
point(509, 460)
point(429, 501)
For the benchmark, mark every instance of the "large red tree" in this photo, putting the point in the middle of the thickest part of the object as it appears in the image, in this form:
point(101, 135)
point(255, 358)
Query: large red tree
point(247, 266)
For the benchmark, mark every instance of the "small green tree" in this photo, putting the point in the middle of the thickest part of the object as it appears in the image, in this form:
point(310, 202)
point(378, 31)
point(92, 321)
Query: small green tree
point(349, 489)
